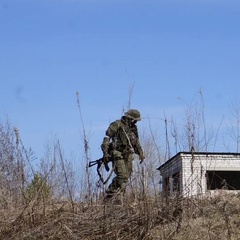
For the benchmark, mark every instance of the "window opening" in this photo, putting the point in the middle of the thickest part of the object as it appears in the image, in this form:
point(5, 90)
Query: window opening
point(223, 180)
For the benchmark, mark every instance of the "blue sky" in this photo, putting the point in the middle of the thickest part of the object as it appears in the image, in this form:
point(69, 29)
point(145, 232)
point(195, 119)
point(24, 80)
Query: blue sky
point(165, 50)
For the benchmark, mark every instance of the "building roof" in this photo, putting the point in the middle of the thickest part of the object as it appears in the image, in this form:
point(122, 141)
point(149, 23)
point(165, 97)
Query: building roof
point(196, 153)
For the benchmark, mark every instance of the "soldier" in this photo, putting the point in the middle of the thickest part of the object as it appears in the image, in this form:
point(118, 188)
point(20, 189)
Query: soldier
point(120, 143)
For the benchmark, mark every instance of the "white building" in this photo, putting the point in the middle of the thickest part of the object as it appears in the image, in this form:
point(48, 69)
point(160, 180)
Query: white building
point(199, 173)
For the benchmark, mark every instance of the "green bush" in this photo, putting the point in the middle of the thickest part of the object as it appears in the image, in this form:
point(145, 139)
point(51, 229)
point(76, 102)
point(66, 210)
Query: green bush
point(38, 189)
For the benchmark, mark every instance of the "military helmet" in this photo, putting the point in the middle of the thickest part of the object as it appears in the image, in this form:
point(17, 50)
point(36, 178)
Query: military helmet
point(133, 114)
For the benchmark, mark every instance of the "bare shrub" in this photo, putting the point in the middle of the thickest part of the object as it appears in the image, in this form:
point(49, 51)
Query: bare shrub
point(15, 163)
point(58, 172)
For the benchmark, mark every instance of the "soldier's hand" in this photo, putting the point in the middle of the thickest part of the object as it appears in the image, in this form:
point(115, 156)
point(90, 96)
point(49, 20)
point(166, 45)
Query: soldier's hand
point(106, 160)
point(106, 157)
point(106, 166)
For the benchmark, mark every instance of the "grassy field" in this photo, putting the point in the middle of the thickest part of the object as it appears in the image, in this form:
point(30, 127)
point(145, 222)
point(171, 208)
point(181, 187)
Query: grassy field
point(164, 218)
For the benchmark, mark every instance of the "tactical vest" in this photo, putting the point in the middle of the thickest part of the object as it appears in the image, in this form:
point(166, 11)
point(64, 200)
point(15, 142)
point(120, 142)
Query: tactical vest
point(123, 138)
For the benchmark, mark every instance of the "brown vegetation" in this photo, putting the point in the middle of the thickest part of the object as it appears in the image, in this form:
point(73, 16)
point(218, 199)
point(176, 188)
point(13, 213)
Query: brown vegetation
point(161, 218)
point(53, 203)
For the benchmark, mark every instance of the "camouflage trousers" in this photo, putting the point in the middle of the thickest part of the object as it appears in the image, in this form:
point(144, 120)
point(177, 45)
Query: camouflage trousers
point(122, 165)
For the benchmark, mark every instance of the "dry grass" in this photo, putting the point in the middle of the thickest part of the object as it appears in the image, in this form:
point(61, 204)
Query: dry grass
point(212, 218)
point(59, 221)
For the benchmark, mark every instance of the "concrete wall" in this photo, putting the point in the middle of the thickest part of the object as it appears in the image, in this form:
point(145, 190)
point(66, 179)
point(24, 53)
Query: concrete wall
point(193, 168)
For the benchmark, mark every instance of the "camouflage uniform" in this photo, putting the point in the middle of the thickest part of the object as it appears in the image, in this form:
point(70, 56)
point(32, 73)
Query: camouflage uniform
point(121, 142)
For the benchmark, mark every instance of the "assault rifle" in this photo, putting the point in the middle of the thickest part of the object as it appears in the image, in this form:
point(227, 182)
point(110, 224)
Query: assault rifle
point(99, 163)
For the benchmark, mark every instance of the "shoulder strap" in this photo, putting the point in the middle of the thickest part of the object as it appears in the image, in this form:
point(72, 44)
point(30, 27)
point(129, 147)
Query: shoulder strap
point(114, 127)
